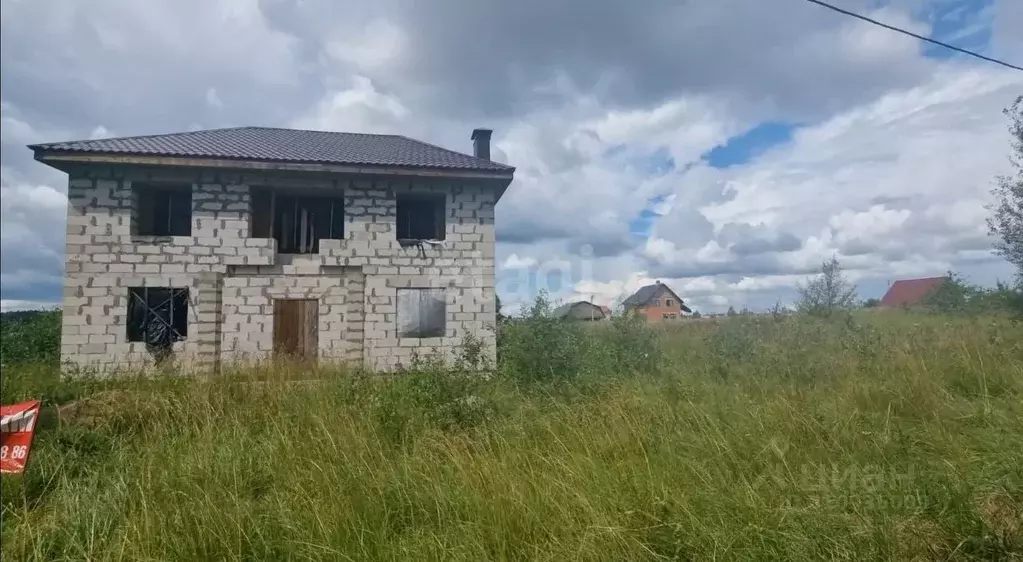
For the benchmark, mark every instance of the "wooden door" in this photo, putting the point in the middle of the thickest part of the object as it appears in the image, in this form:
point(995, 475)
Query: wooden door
point(295, 328)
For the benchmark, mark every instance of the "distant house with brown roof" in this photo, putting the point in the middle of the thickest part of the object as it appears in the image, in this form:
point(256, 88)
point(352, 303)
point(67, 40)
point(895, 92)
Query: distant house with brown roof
point(911, 292)
point(656, 302)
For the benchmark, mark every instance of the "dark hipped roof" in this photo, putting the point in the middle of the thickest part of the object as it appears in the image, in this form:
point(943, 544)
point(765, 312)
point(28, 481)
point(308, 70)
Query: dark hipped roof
point(908, 292)
point(284, 145)
point(566, 308)
point(644, 294)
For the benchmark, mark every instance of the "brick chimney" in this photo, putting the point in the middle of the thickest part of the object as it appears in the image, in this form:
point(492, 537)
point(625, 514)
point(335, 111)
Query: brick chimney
point(481, 143)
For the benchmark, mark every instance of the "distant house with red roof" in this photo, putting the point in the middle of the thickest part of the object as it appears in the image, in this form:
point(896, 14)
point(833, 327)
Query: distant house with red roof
point(911, 292)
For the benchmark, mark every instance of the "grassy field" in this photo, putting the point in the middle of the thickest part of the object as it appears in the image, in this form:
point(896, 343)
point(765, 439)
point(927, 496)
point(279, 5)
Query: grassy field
point(876, 436)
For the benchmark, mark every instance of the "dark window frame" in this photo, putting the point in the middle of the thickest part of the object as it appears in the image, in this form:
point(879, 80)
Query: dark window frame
point(430, 305)
point(420, 216)
point(166, 307)
point(162, 209)
point(297, 221)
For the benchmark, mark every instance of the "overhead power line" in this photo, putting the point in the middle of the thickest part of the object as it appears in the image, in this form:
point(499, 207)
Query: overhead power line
point(911, 34)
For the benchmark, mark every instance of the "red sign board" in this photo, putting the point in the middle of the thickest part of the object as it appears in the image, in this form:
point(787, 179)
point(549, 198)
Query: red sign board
point(17, 426)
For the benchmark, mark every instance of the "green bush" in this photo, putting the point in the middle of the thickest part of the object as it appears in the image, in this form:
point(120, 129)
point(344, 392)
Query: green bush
point(541, 347)
point(957, 296)
point(627, 345)
point(429, 394)
point(30, 337)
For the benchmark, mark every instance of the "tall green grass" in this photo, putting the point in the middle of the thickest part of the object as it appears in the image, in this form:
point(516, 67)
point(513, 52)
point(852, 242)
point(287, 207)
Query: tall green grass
point(881, 436)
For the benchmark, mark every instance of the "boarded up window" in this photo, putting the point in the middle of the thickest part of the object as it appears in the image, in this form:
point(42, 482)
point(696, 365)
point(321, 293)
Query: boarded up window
point(298, 223)
point(157, 315)
point(420, 217)
point(163, 210)
point(421, 313)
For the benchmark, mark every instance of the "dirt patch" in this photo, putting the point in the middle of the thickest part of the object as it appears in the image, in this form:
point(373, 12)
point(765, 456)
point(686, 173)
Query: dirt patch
point(920, 540)
point(1002, 514)
point(97, 410)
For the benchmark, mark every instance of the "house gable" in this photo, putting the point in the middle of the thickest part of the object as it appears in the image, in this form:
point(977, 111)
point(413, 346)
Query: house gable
point(654, 296)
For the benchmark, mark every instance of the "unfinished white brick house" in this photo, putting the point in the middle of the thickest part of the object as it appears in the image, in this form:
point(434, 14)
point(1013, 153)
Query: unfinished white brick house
point(232, 245)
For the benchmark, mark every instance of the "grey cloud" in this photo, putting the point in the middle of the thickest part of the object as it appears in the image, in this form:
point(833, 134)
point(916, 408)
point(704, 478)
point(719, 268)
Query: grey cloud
point(1007, 37)
point(937, 235)
point(685, 227)
point(969, 242)
point(472, 60)
point(765, 264)
point(146, 67)
point(608, 246)
point(600, 242)
point(32, 286)
point(891, 201)
point(895, 248)
point(747, 239)
point(503, 54)
point(31, 241)
point(136, 68)
point(132, 68)
point(782, 242)
point(857, 248)
point(893, 253)
point(526, 231)
point(754, 249)
point(15, 156)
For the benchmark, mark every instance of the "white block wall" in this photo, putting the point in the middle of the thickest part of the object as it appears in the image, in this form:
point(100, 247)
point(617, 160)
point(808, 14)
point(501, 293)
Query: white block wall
point(248, 305)
point(233, 279)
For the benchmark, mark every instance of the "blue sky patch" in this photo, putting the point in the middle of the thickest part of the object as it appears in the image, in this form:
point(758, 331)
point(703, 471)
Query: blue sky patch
point(642, 225)
point(963, 23)
point(743, 148)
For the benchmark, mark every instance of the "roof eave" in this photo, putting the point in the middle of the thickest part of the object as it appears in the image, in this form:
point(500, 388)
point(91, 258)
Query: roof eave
point(62, 160)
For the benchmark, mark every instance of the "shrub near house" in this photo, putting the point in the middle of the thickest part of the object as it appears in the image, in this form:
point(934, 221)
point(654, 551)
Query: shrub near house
point(30, 337)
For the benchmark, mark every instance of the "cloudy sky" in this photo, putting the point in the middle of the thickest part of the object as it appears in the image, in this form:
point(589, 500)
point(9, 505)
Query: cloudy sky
point(726, 147)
